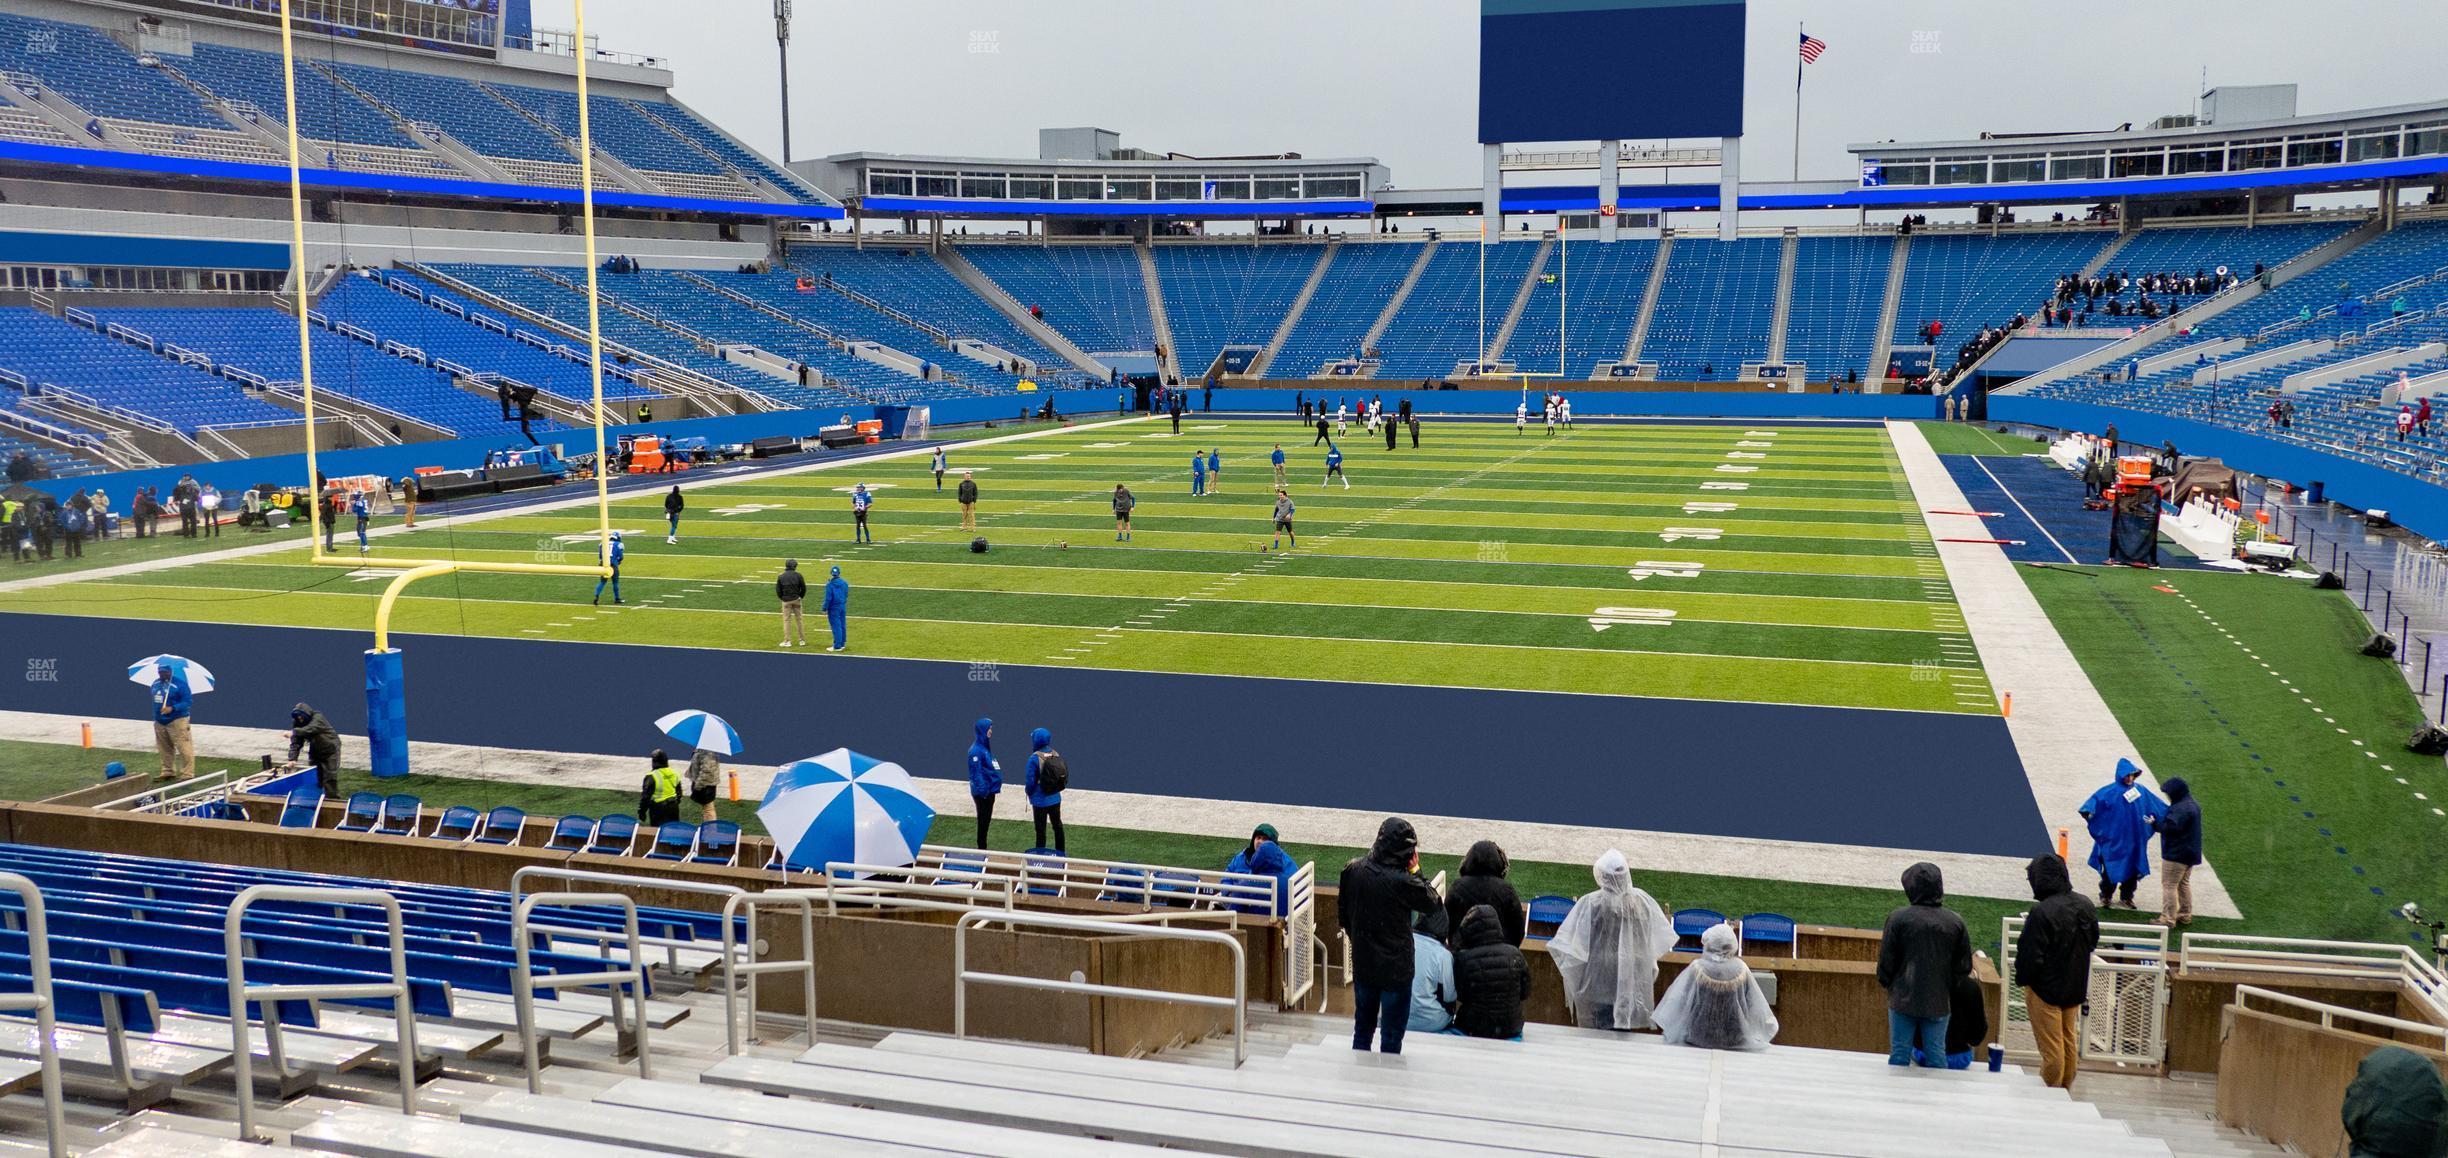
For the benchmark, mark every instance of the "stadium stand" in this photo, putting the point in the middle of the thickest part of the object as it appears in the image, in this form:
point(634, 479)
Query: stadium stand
point(1219, 295)
point(1965, 281)
point(641, 143)
point(847, 318)
point(335, 126)
point(1439, 324)
point(130, 103)
point(685, 300)
point(747, 165)
point(914, 283)
point(470, 115)
point(1714, 309)
point(121, 377)
point(1361, 280)
point(1601, 287)
point(1094, 294)
point(1838, 282)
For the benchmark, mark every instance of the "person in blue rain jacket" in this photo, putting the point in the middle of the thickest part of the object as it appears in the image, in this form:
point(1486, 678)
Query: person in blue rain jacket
point(985, 778)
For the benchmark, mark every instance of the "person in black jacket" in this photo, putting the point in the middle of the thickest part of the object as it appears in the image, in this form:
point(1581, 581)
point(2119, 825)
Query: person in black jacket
point(791, 588)
point(1380, 892)
point(2052, 962)
point(673, 504)
point(1482, 882)
point(2180, 851)
point(1967, 1024)
point(1923, 949)
point(1490, 974)
point(311, 733)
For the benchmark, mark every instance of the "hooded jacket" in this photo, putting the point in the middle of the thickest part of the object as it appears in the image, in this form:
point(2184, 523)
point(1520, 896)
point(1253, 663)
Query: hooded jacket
point(672, 503)
point(836, 595)
point(1608, 947)
point(2180, 837)
point(316, 737)
point(1490, 974)
point(2053, 954)
point(1924, 948)
point(1039, 741)
point(985, 776)
point(2396, 1107)
point(2120, 816)
point(1379, 893)
point(790, 584)
point(1482, 882)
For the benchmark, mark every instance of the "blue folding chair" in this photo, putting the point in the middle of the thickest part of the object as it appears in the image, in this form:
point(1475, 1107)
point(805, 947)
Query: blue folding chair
point(675, 841)
point(961, 862)
point(303, 809)
point(571, 834)
point(615, 835)
point(1125, 886)
point(1770, 929)
point(1177, 890)
point(1045, 872)
point(402, 815)
point(717, 843)
point(457, 824)
point(1546, 913)
point(365, 810)
point(1690, 923)
point(502, 826)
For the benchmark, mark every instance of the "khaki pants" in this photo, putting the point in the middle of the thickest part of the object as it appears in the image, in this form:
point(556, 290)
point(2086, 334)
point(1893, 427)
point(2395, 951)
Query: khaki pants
point(968, 516)
point(792, 632)
point(2059, 1034)
point(1279, 478)
point(177, 747)
point(2175, 892)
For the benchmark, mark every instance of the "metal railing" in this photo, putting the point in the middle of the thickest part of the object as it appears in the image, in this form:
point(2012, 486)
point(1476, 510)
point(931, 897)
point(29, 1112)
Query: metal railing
point(242, 1054)
point(38, 999)
point(963, 977)
point(524, 983)
point(2330, 1015)
point(1148, 885)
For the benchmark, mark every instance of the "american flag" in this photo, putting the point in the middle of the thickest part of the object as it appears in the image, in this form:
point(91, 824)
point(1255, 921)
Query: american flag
point(1812, 46)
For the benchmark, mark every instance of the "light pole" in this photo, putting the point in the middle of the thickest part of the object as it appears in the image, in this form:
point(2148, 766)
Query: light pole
point(782, 16)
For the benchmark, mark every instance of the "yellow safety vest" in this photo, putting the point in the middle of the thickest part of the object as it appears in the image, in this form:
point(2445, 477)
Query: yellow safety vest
point(666, 784)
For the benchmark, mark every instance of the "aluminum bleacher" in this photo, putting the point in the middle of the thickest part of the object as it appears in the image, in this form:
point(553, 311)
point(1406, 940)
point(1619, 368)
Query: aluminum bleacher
point(1094, 294)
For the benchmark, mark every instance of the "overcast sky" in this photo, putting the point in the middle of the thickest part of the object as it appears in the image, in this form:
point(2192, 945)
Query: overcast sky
point(1397, 79)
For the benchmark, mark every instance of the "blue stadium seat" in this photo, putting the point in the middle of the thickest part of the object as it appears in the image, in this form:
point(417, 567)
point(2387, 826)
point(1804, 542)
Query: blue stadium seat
point(1690, 923)
point(1441, 323)
point(457, 823)
point(1359, 282)
point(1546, 912)
point(502, 826)
point(365, 810)
point(571, 833)
point(718, 843)
point(615, 835)
point(402, 815)
point(1093, 294)
point(303, 808)
point(1769, 929)
point(1228, 294)
point(1714, 308)
point(673, 841)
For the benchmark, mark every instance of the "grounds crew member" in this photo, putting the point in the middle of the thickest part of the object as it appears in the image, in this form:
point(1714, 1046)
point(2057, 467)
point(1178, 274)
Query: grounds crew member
point(659, 795)
point(310, 732)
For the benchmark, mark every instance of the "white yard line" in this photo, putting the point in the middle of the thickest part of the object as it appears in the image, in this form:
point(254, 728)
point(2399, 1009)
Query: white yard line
point(2068, 739)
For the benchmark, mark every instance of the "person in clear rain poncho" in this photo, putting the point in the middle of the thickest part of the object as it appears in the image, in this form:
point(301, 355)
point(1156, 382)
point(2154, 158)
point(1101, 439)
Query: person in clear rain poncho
point(1608, 948)
point(1716, 1003)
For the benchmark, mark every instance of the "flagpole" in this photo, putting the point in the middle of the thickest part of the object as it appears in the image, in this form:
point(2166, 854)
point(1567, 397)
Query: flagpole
point(1797, 122)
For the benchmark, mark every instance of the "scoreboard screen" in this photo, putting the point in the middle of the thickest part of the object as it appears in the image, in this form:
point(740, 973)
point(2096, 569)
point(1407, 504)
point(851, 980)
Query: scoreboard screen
point(1594, 70)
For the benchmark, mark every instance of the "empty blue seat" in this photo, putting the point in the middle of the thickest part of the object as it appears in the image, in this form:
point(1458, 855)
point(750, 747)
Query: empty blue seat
point(1769, 929)
point(615, 835)
point(674, 841)
point(458, 822)
point(303, 809)
point(718, 843)
point(1690, 923)
point(364, 811)
point(402, 815)
point(502, 826)
point(1546, 912)
point(571, 833)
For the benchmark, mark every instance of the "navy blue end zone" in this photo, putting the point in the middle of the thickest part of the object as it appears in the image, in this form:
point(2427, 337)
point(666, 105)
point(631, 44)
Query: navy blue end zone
point(2041, 503)
point(1837, 776)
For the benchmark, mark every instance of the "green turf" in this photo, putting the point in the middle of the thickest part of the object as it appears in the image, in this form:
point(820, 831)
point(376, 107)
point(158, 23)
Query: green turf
point(1784, 565)
point(1976, 438)
point(2304, 818)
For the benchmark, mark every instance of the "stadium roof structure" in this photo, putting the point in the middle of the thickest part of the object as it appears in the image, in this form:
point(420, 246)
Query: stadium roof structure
point(1172, 186)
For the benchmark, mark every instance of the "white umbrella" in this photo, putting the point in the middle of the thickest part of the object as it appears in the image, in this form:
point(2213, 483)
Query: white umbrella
point(195, 675)
point(843, 807)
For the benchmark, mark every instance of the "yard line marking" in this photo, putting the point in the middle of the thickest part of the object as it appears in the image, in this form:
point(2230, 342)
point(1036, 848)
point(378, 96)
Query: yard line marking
point(2035, 519)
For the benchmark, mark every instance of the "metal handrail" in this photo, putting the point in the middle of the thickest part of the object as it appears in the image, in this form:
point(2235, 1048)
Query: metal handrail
point(962, 977)
point(736, 902)
point(524, 983)
point(2210, 952)
point(746, 905)
point(2330, 1014)
point(242, 1054)
point(46, 1045)
point(1211, 885)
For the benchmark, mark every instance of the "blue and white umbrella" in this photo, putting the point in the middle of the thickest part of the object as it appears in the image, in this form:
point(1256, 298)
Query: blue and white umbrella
point(702, 730)
point(847, 808)
point(193, 674)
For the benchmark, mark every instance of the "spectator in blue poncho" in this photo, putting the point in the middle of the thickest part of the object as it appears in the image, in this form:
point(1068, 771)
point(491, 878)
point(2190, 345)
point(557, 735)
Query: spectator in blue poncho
point(1265, 857)
point(2121, 816)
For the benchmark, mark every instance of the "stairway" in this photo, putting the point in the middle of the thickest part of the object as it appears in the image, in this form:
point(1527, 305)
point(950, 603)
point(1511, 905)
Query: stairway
point(1649, 299)
point(1884, 344)
point(2181, 1111)
point(1402, 293)
point(1521, 301)
point(1170, 363)
point(1300, 305)
point(1001, 299)
point(1784, 298)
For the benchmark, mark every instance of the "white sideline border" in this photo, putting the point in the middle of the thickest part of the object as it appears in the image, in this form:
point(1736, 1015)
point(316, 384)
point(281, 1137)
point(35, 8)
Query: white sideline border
point(2068, 739)
point(1854, 866)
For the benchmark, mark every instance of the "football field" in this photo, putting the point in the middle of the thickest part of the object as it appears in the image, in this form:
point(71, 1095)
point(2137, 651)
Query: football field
point(1751, 563)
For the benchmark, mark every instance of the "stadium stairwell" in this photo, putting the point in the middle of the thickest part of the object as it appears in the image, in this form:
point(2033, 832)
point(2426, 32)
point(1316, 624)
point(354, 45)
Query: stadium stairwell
point(1157, 316)
point(2107, 253)
point(1401, 294)
point(427, 136)
point(1884, 346)
point(1784, 298)
point(1300, 305)
point(1001, 299)
point(1649, 300)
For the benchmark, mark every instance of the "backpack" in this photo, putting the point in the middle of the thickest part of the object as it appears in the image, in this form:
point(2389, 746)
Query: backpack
point(1053, 773)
